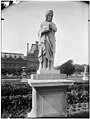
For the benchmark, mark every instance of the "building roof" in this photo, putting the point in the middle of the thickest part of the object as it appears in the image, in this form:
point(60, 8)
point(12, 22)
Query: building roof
point(33, 48)
point(13, 55)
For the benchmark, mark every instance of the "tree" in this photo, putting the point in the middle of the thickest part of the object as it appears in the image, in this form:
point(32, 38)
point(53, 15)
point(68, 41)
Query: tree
point(79, 68)
point(67, 68)
point(4, 71)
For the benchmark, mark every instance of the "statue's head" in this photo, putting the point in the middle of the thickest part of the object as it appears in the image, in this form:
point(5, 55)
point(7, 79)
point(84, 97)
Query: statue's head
point(49, 16)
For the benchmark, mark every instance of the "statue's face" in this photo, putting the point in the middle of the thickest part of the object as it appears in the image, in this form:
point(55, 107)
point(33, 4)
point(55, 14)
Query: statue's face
point(49, 18)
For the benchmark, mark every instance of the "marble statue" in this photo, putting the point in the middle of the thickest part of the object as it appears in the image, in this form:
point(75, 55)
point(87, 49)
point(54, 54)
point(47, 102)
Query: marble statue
point(85, 74)
point(47, 42)
point(85, 68)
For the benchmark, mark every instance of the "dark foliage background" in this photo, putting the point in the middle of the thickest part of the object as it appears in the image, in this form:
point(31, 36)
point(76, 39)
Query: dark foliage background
point(78, 100)
point(16, 99)
point(78, 93)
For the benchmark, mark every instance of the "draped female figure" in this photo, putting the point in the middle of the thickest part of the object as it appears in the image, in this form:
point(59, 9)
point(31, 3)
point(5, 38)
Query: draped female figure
point(47, 42)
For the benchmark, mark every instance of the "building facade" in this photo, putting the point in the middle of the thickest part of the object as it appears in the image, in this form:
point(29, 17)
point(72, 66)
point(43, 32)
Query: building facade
point(32, 58)
point(13, 62)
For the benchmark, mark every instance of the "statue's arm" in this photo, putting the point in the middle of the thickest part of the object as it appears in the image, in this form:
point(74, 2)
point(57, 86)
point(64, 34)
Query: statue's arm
point(43, 28)
point(53, 26)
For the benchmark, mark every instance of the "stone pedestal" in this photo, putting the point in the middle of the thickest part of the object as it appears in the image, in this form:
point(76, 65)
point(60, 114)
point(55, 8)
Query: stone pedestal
point(24, 75)
point(48, 94)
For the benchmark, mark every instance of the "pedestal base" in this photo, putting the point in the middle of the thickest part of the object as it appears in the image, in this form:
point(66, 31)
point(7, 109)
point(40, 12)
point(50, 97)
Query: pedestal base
point(48, 96)
point(48, 75)
point(48, 71)
point(49, 102)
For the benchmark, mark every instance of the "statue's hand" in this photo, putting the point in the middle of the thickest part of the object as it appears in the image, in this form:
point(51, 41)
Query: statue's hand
point(52, 26)
point(45, 26)
point(45, 41)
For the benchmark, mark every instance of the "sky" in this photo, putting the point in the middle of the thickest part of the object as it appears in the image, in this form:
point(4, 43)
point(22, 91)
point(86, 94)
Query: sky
point(22, 21)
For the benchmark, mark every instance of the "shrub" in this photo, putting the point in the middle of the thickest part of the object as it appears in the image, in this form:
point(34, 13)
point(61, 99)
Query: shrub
point(8, 89)
point(15, 105)
point(78, 93)
point(83, 114)
point(16, 99)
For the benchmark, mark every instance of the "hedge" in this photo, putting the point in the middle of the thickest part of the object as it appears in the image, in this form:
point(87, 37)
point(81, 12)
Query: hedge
point(16, 99)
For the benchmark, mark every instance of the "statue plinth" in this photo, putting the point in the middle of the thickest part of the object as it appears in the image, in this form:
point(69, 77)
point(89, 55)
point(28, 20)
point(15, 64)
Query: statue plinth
point(48, 94)
point(48, 71)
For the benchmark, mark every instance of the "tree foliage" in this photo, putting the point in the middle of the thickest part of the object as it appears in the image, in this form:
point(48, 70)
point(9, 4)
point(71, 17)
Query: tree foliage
point(67, 68)
point(78, 93)
point(79, 68)
point(16, 100)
